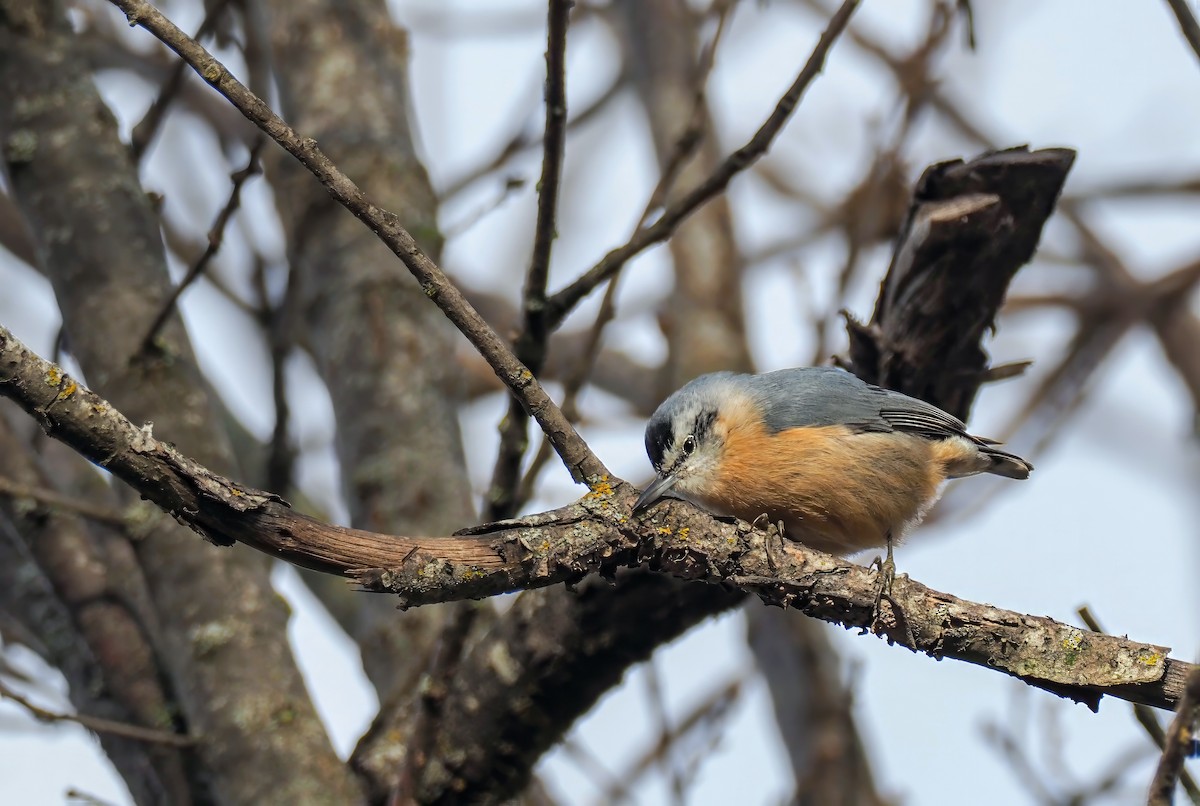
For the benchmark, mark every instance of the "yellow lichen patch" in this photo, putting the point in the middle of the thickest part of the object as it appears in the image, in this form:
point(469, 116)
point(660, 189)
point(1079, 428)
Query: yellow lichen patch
point(683, 533)
point(1072, 644)
point(68, 390)
point(601, 488)
point(1152, 659)
point(472, 573)
point(663, 530)
point(54, 376)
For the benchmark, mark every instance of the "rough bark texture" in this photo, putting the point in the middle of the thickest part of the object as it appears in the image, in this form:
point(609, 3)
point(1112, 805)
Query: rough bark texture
point(378, 343)
point(223, 636)
point(971, 226)
point(545, 662)
point(594, 535)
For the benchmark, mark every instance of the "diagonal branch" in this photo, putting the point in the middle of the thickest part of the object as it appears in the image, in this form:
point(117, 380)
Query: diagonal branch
point(564, 301)
point(574, 452)
point(595, 534)
point(1178, 741)
point(530, 345)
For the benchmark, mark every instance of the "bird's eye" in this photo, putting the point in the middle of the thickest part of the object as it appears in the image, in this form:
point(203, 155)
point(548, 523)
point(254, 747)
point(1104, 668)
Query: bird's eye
point(689, 445)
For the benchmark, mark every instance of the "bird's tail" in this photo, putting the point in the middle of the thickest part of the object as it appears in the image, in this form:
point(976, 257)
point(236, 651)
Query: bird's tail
point(1004, 463)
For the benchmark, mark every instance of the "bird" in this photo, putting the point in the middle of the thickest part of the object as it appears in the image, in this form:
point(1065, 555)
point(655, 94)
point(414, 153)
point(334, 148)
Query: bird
point(842, 465)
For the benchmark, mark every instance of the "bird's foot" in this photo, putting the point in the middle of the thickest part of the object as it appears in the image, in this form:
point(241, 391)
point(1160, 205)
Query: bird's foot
point(887, 576)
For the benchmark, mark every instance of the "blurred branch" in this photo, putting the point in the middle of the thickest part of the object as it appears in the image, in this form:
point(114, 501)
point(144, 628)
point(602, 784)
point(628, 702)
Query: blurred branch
point(522, 142)
point(1148, 719)
point(1179, 742)
point(66, 503)
point(562, 302)
point(813, 709)
point(530, 344)
point(703, 317)
point(147, 128)
point(1187, 23)
point(97, 724)
point(216, 236)
point(710, 714)
point(575, 453)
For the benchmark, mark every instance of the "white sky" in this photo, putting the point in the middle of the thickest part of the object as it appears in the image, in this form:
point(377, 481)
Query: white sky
point(1108, 519)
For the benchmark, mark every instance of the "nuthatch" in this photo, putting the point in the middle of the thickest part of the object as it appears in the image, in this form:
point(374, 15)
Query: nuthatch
point(844, 465)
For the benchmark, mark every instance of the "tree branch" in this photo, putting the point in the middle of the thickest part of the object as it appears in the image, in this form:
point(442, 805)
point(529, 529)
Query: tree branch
point(1178, 742)
point(576, 455)
point(562, 302)
point(530, 344)
point(594, 535)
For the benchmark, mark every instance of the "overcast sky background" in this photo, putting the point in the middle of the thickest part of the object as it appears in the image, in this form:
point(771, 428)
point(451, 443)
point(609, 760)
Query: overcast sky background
point(1109, 518)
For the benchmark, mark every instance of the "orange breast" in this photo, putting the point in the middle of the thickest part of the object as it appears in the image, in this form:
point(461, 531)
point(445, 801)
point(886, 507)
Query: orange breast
point(834, 489)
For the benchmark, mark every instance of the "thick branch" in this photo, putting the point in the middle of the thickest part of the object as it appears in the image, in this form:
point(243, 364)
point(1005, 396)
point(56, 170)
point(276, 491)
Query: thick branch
point(971, 226)
point(595, 534)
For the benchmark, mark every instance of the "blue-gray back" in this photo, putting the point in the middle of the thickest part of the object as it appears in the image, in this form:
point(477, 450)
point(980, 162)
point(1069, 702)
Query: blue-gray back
point(823, 396)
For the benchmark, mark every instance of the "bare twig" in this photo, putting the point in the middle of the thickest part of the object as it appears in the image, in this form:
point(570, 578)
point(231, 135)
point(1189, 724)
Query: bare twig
point(574, 452)
point(553, 142)
point(98, 724)
point(530, 346)
point(1178, 743)
point(1148, 719)
point(1187, 23)
point(564, 301)
point(712, 710)
point(149, 125)
point(216, 236)
point(67, 503)
point(522, 141)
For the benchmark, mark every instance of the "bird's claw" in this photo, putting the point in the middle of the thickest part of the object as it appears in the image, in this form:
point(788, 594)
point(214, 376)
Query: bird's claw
point(887, 575)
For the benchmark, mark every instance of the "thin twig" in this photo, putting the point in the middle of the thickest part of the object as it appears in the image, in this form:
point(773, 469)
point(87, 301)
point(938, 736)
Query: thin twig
point(1187, 23)
point(530, 345)
point(216, 236)
point(1146, 717)
point(1179, 738)
point(148, 126)
point(572, 386)
point(692, 136)
point(682, 149)
point(710, 711)
point(98, 724)
point(66, 503)
point(582, 463)
point(564, 301)
point(663, 753)
point(553, 142)
point(521, 141)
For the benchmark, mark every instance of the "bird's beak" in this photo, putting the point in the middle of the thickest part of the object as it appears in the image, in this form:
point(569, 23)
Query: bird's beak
point(654, 491)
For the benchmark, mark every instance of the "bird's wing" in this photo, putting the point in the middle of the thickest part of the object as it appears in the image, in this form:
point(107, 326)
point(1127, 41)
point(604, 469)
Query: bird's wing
point(825, 396)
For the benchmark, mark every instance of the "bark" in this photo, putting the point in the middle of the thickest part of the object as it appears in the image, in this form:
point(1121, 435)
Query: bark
point(970, 227)
point(594, 535)
point(57, 581)
point(223, 638)
point(378, 344)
